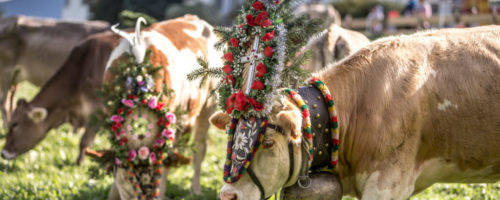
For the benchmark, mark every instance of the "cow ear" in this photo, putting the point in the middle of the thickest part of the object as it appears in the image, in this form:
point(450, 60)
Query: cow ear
point(291, 120)
point(220, 120)
point(37, 114)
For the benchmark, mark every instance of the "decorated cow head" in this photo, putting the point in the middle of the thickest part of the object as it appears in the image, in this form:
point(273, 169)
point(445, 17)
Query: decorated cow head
point(26, 128)
point(263, 127)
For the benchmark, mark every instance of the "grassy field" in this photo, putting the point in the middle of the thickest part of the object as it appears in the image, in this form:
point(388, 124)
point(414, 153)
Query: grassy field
point(49, 172)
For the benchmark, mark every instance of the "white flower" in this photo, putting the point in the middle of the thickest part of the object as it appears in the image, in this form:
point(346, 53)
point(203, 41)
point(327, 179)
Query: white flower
point(240, 141)
point(138, 78)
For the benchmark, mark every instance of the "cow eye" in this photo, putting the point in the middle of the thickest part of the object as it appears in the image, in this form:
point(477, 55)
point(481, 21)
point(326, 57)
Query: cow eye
point(13, 125)
point(268, 143)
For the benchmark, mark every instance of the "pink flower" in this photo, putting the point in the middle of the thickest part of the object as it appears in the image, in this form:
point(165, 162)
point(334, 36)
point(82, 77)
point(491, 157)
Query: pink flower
point(159, 142)
point(153, 157)
point(128, 102)
point(118, 162)
point(118, 134)
point(116, 118)
point(152, 102)
point(131, 155)
point(168, 134)
point(171, 117)
point(143, 153)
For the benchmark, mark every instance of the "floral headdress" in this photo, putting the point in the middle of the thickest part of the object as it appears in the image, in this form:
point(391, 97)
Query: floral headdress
point(261, 55)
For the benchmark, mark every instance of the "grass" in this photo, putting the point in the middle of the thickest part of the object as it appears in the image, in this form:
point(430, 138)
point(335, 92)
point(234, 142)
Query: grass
point(49, 172)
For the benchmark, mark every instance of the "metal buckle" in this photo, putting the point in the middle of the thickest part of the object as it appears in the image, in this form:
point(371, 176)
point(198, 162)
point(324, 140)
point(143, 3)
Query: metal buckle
point(304, 178)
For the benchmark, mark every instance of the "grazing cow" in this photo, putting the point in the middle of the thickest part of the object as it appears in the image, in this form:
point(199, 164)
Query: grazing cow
point(336, 44)
point(32, 49)
point(412, 111)
point(70, 94)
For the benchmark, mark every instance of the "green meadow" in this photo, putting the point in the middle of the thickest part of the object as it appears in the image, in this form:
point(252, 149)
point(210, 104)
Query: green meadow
point(49, 172)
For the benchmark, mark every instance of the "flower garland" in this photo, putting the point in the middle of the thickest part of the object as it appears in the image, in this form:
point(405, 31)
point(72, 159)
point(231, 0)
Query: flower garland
point(260, 22)
point(132, 99)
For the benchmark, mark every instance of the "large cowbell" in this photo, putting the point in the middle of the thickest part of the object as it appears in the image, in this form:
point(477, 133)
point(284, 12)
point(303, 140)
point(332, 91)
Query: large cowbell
point(245, 142)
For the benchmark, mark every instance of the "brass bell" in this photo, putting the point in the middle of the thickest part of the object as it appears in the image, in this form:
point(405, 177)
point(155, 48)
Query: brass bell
point(319, 125)
point(317, 116)
point(320, 152)
point(326, 130)
point(314, 134)
point(326, 145)
point(315, 106)
point(319, 97)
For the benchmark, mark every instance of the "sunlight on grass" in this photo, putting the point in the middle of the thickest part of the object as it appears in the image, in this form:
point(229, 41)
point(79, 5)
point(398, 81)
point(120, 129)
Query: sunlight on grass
point(49, 172)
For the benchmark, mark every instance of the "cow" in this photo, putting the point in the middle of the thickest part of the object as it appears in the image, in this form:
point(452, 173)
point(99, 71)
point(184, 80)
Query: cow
point(335, 44)
point(70, 94)
point(412, 111)
point(32, 49)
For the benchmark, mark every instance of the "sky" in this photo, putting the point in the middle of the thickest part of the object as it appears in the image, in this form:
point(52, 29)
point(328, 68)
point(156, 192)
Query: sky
point(38, 8)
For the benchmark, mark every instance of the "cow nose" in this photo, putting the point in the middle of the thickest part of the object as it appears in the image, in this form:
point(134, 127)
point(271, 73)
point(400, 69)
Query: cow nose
point(7, 155)
point(228, 196)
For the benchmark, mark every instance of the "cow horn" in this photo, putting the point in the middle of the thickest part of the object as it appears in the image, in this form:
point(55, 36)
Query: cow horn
point(137, 38)
point(121, 33)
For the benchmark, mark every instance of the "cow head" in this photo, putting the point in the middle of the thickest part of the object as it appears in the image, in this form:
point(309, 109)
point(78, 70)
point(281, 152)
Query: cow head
point(138, 47)
point(26, 128)
point(271, 163)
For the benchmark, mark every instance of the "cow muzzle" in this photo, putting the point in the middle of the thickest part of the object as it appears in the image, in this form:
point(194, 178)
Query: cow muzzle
point(229, 192)
point(7, 155)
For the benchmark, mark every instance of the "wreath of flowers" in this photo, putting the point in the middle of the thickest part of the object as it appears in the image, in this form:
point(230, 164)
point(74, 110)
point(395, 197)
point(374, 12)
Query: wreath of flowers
point(133, 89)
point(257, 21)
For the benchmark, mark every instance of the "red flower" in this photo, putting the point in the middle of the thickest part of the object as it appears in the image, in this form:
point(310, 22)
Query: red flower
point(130, 96)
point(237, 101)
point(250, 20)
point(227, 69)
point(119, 111)
point(234, 42)
point(240, 101)
point(268, 51)
point(129, 111)
point(258, 5)
point(261, 17)
point(160, 121)
point(266, 23)
point(230, 79)
point(229, 57)
point(116, 126)
point(257, 106)
point(257, 85)
point(277, 2)
point(160, 106)
point(261, 70)
point(144, 101)
point(123, 141)
point(268, 36)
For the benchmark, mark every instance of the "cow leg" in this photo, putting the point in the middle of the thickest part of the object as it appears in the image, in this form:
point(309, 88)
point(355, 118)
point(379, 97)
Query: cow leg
point(390, 184)
point(200, 140)
point(86, 141)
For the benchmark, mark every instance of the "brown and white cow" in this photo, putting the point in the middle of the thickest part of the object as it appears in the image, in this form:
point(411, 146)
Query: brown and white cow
point(413, 110)
point(70, 94)
point(337, 43)
point(32, 49)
